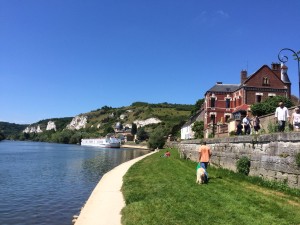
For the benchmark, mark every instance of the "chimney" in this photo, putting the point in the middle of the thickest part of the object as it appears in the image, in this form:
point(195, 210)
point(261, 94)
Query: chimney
point(276, 67)
point(243, 76)
point(219, 82)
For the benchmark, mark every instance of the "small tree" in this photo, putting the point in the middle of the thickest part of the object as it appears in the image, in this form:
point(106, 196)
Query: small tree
point(198, 128)
point(156, 139)
point(133, 129)
point(142, 134)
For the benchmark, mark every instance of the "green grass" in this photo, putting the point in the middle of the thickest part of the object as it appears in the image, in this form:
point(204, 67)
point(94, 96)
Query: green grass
point(161, 191)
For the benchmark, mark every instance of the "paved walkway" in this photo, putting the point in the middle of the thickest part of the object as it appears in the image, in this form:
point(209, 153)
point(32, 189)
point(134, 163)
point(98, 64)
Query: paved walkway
point(106, 201)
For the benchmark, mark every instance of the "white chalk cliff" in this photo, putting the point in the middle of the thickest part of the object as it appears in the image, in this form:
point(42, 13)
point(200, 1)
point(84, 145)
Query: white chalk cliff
point(142, 123)
point(51, 126)
point(77, 123)
point(33, 129)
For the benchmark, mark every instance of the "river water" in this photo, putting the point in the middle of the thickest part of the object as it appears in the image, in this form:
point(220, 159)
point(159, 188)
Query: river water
point(45, 183)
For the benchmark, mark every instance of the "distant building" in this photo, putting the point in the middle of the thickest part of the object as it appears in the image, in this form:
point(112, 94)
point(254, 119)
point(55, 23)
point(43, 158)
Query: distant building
point(186, 130)
point(224, 102)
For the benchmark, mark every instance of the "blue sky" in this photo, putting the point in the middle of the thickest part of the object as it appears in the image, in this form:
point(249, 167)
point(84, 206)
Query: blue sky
point(60, 58)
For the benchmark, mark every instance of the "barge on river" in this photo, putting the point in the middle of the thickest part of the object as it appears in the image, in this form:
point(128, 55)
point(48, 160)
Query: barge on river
point(109, 142)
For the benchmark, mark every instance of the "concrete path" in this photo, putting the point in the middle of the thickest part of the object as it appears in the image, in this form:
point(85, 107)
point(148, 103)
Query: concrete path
point(106, 201)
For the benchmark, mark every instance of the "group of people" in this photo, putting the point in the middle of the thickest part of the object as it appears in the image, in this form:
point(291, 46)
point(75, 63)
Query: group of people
point(246, 124)
point(281, 117)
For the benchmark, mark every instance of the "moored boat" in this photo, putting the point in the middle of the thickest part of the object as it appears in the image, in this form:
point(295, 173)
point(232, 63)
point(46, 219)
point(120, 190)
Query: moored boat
point(109, 142)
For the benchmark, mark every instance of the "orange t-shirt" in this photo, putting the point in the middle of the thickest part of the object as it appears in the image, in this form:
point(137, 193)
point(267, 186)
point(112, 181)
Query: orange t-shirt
point(204, 150)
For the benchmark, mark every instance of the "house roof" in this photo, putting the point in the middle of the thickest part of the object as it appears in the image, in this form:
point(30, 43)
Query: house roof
point(194, 118)
point(243, 107)
point(230, 88)
point(285, 76)
point(224, 88)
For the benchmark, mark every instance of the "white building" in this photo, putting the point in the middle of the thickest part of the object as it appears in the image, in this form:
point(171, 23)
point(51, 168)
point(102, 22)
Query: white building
point(186, 129)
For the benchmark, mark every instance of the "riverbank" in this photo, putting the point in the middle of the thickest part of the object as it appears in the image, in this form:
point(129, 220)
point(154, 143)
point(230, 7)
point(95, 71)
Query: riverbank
point(134, 146)
point(106, 201)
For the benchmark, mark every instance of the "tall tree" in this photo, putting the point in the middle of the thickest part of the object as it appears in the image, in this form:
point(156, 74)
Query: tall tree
point(133, 129)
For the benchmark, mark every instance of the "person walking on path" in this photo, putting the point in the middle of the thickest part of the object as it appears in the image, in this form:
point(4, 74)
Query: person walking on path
point(296, 119)
point(256, 124)
point(239, 128)
point(204, 155)
point(282, 115)
point(247, 124)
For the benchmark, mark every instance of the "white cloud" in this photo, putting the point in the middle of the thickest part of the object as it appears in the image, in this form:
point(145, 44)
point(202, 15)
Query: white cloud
point(222, 14)
point(211, 18)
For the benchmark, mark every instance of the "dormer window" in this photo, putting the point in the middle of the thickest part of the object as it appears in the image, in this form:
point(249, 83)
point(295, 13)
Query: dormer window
point(266, 81)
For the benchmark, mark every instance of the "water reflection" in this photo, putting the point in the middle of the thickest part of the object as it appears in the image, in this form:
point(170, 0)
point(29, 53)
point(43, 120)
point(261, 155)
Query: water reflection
point(45, 184)
point(94, 168)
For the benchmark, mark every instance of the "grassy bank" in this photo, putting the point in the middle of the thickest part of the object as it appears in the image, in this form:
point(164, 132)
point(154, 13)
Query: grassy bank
point(161, 190)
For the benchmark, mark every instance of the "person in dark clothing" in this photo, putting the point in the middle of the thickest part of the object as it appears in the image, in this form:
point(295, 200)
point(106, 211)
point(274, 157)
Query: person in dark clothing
point(256, 124)
point(239, 128)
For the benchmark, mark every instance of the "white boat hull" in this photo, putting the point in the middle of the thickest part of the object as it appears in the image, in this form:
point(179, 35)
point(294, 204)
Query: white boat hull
point(102, 142)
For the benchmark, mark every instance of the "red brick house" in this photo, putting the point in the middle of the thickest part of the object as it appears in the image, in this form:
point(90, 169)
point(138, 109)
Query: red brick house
point(225, 101)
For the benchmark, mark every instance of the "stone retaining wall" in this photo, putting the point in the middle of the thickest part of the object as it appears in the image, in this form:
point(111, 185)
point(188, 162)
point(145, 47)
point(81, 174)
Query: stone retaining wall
point(272, 156)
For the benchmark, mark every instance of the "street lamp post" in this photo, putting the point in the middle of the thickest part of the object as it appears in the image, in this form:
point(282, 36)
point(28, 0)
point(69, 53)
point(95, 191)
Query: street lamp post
point(285, 59)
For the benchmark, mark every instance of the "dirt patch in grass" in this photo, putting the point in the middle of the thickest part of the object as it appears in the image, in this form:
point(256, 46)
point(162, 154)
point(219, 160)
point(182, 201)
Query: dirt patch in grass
point(268, 192)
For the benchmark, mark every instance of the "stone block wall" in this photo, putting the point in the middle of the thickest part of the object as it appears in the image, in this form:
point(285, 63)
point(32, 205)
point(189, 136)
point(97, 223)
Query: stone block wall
point(272, 156)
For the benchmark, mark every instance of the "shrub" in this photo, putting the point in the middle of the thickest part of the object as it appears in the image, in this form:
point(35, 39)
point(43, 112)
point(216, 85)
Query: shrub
point(272, 127)
point(243, 165)
point(142, 134)
point(198, 128)
point(157, 139)
point(269, 105)
point(232, 133)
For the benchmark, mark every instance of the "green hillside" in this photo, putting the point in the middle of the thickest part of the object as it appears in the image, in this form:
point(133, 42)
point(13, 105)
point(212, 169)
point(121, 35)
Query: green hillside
point(102, 121)
point(173, 116)
point(11, 129)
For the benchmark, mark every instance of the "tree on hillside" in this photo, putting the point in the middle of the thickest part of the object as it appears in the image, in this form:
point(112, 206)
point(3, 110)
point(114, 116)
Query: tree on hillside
point(198, 128)
point(197, 106)
point(108, 130)
point(269, 105)
point(175, 130)
point(142, 134)
point(2, 137)
point(133, 129)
